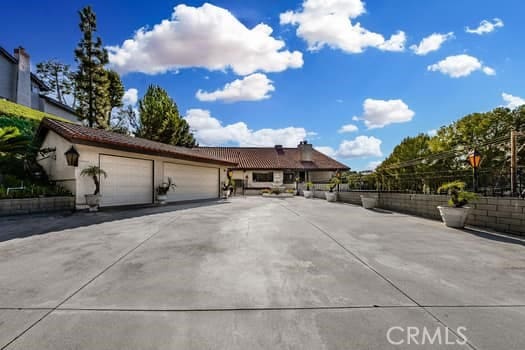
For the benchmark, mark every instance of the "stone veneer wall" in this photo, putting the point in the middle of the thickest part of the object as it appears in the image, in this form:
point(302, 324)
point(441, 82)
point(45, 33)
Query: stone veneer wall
point(36, 205)
point(498, 213)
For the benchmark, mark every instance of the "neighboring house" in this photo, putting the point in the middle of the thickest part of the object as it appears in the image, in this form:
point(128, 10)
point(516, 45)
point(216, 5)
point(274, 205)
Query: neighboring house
point(19, 85)
point(135, 166)
point(263, 167)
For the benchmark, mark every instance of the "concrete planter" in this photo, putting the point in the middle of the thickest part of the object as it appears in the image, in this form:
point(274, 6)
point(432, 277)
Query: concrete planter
point(331, 196)
point(308, 194)
point(93, 201)
point(162, 198)
point(454, 217)
point(368, 202)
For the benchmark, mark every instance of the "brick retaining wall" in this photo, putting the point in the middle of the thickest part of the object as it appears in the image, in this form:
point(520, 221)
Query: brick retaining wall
point(498, 213)
point(36, 205)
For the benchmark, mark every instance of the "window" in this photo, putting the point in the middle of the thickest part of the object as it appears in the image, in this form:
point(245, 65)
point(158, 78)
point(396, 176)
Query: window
point(289, 178)
point(262, 177)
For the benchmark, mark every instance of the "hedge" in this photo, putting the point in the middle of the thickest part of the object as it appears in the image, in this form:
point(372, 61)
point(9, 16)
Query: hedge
point(15, 110)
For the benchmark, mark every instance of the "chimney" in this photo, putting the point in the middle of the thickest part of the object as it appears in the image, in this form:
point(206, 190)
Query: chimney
point(305, 150)
point(23, 77)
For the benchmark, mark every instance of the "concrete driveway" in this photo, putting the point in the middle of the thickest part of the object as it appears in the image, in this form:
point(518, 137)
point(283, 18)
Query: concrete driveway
point(257, 273)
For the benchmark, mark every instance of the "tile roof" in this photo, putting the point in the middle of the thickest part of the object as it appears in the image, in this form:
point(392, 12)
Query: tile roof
point(79, 134)
point(272, 158)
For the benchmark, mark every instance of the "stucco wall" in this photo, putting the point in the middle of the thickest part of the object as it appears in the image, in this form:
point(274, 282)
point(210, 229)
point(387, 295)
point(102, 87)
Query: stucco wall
point(53, 109)
point(278, 177)
point(55, 165)
point(320, 176)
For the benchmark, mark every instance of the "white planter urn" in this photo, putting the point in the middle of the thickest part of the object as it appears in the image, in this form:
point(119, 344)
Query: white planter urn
point(93, 201)
point(454, 217)
point(162, 198)
point(368, 202)
point(308, 194)
point(331, 196)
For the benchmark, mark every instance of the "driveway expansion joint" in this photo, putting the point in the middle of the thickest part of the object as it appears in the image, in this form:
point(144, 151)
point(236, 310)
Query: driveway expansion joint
point(386, 279)
point(122, 257)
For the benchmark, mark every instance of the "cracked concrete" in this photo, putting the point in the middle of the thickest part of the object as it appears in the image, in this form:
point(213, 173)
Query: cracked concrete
point(254, 273)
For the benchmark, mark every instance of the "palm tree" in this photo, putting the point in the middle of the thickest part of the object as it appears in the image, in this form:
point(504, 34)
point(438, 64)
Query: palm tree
point(95, 172)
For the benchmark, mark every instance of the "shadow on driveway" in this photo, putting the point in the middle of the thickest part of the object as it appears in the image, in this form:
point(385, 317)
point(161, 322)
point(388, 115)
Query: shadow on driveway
point(12, 227)
point(498, 237)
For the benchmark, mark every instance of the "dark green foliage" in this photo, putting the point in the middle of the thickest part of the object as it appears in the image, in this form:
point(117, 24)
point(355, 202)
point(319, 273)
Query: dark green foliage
point(33, 190)
point(422, 163)
point(91, 80)
point(160, 119)
point(94, 172)
point(458, 196)
point(59, 77)
point(115, 89)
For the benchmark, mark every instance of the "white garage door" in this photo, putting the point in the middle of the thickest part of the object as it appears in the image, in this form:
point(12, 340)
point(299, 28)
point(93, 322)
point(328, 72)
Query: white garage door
point(192, 182)
point(129, 181)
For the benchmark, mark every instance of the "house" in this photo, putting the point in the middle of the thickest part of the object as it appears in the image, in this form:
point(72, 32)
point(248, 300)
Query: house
point(264, 167)
point(19, 85)
point(134, 166)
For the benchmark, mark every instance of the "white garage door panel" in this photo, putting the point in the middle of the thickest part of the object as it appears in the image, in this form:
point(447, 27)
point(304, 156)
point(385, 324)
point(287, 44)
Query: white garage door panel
point(193, 182)
point(129, 181)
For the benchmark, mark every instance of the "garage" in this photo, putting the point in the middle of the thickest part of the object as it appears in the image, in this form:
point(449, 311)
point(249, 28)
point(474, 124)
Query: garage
point(192, 182)
point(129, 181)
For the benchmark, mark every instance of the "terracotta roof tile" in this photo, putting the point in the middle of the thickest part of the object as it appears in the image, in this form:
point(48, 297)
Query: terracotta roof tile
point(96, 137)
point(272, 158)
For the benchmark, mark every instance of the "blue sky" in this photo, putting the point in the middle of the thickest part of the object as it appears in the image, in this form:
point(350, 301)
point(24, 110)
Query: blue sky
point(304, 73)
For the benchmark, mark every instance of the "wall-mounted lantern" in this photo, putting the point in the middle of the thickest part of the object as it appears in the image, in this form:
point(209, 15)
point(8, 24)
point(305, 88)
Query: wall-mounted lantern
point(72, 156)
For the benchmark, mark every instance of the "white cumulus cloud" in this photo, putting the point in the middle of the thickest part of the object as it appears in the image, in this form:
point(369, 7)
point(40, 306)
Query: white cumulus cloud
point(329, 23)
point(329, 151)
point(379, 113)
point(512, 101)
point(208, 37)
point(361, 146)
point(253, 87)
point(348, 128)
point(130, 97)
point(485, 27)
point(460, 66)
point(431, 43)
point(211, 132)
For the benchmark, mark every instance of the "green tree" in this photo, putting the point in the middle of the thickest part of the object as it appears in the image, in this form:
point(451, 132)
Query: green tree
point(160, 119)
point(91, 80)
point(124, 121)
point(59, 77)
point(115, 89)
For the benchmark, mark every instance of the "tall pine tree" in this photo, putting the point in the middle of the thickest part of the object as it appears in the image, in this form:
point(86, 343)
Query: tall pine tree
point(160, 119)
point(92, 83)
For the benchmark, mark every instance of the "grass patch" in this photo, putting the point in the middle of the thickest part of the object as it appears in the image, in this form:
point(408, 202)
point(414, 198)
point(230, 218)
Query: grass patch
point(15, 110)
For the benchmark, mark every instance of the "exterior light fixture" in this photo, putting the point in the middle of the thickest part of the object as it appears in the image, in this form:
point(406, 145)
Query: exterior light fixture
point(474, 159)
point(72, 156)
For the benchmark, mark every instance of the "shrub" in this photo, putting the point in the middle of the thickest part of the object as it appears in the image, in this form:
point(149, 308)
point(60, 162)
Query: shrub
point(15, 110)
point(276, 190)
point(33, 190)
point(458, 196)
